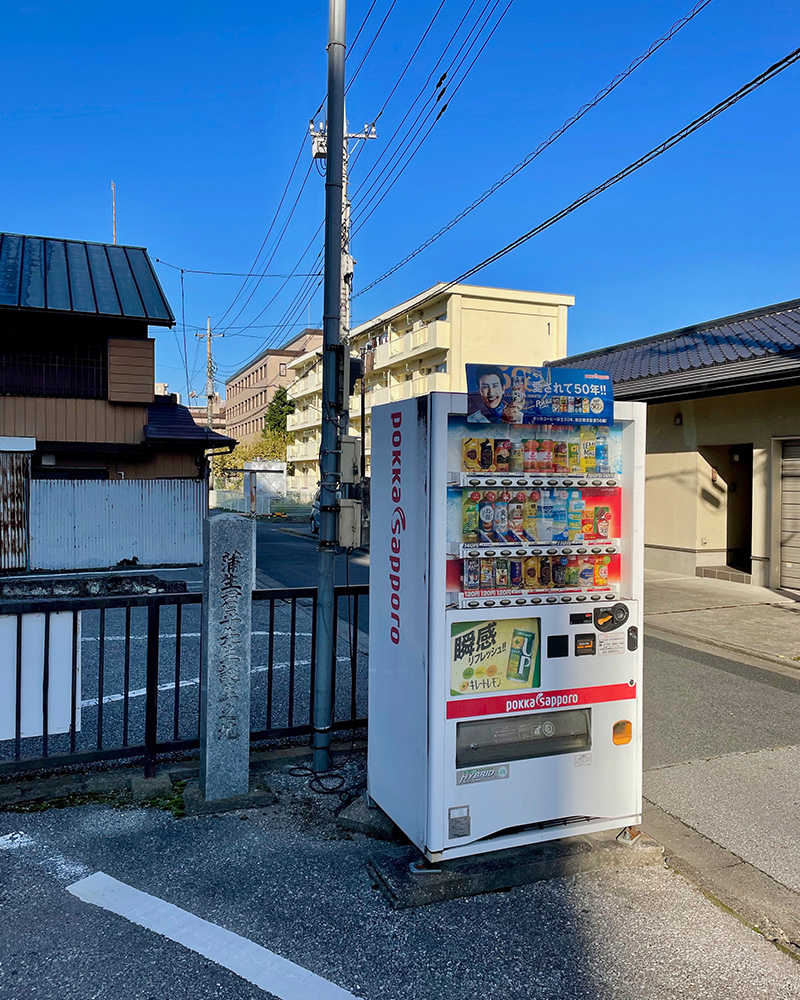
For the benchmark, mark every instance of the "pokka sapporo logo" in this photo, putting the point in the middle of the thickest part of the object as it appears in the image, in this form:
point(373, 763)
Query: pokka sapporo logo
point(397, 525)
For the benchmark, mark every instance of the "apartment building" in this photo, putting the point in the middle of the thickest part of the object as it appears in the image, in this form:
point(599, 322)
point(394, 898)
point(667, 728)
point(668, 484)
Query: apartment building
point(420, 346)
point(250, 391)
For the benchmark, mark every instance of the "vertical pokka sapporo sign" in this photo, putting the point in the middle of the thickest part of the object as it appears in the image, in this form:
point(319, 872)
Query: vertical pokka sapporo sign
point(513, 394)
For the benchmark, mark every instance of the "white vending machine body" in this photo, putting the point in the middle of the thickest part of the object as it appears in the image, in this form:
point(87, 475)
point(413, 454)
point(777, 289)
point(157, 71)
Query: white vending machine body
point(504, 714)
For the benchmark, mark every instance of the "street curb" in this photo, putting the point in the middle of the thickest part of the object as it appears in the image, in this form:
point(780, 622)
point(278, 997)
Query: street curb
point(752, 896)
point(729, 647)
point(502, 870)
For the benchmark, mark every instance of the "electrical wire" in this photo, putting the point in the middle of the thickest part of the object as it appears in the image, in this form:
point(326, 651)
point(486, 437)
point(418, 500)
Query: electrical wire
point(652, 154)
point(360, 217)
point(227, 274)
point(583, 110)
point(371, 44)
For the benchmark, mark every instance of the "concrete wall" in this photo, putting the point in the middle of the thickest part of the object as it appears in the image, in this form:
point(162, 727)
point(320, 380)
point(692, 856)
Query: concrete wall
point(686, 511)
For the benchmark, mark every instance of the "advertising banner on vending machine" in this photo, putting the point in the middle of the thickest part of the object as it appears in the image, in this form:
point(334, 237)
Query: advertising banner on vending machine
point(513, 394)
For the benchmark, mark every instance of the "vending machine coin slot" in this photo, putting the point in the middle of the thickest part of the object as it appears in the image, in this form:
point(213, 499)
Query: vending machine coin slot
point(633, 638)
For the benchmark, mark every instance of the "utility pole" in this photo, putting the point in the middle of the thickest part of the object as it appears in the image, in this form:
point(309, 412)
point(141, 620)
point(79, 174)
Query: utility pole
point(210, 394)
point(332, 389)
point(114, 212)
point(319, 139)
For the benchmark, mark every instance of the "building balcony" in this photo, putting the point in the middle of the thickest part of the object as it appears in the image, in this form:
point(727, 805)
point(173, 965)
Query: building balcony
point(300, 453)
point(427, 339)
point(307, 385)
point(301, 419)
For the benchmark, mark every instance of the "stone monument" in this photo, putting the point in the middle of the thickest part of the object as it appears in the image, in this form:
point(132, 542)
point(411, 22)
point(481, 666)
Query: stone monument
point(225, 669)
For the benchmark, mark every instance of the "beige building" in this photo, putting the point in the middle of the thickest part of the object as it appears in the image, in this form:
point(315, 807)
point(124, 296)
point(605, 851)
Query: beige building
point(422, 346)
point(250, 391)
point(723, 443)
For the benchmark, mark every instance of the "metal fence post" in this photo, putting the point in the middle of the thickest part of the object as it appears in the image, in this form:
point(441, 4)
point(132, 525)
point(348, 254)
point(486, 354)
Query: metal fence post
point(151, 696)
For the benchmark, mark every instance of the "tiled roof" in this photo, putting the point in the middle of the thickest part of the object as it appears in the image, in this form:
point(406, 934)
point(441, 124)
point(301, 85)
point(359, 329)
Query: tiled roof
point(68, 276)
point(735, 353)
point(168, 421)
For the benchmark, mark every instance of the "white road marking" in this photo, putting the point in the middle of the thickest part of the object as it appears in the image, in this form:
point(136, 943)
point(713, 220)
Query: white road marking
point(245, 958)
point(194, 681)
point(13, 841)
point(55, 864)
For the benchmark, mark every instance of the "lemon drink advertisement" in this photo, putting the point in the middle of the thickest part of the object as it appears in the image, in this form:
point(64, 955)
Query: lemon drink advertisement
point(493, 656)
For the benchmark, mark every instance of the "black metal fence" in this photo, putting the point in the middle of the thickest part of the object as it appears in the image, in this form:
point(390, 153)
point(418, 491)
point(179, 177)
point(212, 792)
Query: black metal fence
point(84, 680)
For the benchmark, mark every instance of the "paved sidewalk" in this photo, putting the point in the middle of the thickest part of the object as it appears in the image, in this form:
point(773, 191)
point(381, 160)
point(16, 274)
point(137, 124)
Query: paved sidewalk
point(750, 621)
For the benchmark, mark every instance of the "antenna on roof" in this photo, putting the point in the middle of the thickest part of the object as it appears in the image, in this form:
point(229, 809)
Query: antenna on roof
point(114, 212)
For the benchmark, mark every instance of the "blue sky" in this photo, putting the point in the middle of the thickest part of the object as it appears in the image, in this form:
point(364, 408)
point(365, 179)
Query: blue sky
point(197, 112)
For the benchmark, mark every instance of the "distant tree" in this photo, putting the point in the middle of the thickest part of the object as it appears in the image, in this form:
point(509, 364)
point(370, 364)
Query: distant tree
point(278, 410)
point(271, 446)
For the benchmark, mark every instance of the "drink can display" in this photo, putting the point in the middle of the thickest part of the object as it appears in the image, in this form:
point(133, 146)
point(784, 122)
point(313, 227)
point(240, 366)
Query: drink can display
point(486, 455)
point(517, 462)
point(544, 456)
point(560, 571)
point(501, 573)
point(585, 571)
point(574, 453)
point(469, 517)
point(529, 515)
point(521, 655)
point(530, 572)
point(472, 574)
point(572, 578)
point(486, 517)
point(502, 455)
point(516, 519)
point(602, 515)
point(545, 572)
point(601, 571)
point(501, 517)
point(588, 442)
point(529, 448)
point(487, 574)
point(470, 454)
point(515, 573)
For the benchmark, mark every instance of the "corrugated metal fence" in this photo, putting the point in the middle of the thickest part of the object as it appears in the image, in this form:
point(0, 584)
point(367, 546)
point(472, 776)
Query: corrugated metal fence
point(87, 524)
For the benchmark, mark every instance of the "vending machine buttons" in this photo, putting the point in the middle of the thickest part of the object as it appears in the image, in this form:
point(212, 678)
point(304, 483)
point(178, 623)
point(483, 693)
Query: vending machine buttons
point(585, 644)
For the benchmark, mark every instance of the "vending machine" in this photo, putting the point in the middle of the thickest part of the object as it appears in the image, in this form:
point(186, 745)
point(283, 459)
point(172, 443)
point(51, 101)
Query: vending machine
point(505, 666)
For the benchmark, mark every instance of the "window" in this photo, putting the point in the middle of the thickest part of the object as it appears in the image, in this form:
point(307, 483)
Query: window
point(282, 368)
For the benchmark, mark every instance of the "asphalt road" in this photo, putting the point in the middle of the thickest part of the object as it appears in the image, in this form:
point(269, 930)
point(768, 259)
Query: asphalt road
point(287, 879)
point(293, 560)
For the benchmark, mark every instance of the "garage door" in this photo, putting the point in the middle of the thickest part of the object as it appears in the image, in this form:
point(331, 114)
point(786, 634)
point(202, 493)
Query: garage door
point(790, 515)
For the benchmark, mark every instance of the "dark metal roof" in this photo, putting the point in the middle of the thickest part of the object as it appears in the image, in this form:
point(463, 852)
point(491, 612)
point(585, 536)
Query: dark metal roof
point(68, 276)
point(746, 351)
point(168, 421)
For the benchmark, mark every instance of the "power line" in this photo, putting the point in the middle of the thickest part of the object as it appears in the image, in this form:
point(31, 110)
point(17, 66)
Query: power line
point(576, 117)
point(361, 219)
point(371, 44)
point(229, 274)
point(657, 151)
point(274, 247)
point(385, 152)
